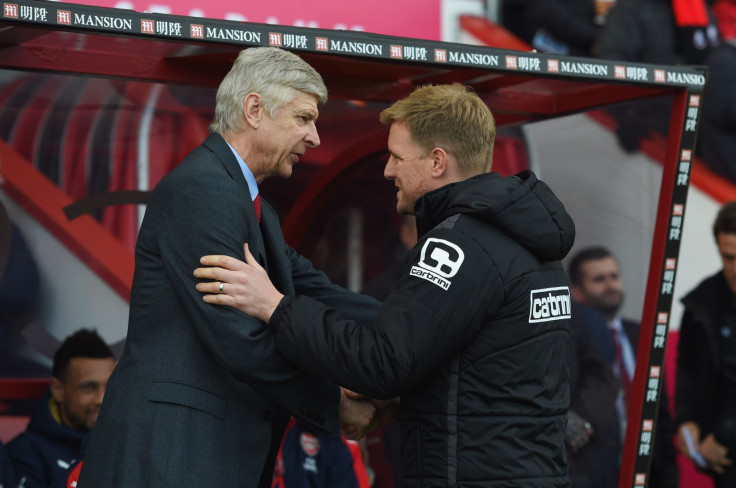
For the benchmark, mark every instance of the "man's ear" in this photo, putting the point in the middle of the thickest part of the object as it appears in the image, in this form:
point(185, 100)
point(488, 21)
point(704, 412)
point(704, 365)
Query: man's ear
point(577, 294)
point(253, 111)
point(439, 162)
point(57, 389)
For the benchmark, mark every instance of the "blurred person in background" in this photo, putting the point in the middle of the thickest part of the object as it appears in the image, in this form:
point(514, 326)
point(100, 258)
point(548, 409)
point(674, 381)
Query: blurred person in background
point(717, 134)
point(7, 476)
point(309, 458)
point(568, 27)
point(592, 427)
point(67, 412)
point(595, 276)
point(705, 399)
point(20, 288)
point(667, 32)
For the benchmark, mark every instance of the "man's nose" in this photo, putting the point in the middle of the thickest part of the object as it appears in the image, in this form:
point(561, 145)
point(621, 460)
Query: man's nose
point(312, 137)
point(389, 171)
point(100, 395)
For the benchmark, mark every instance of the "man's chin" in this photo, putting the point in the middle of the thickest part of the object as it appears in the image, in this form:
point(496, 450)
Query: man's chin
point(286, 171)
point(732, 285)
point(91, 421)
point(404, 208)
point(609, 310)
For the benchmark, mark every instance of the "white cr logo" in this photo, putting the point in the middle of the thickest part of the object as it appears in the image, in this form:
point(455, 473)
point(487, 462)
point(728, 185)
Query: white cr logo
point(441, 257)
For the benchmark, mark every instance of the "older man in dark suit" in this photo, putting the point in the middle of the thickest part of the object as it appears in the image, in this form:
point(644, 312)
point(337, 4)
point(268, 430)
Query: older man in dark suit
point(201, 396)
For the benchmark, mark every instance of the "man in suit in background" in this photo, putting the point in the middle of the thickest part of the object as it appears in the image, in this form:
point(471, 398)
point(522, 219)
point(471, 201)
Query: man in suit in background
point(7, 476)
point(595, 277)
point(591, 437)
point(201, 396)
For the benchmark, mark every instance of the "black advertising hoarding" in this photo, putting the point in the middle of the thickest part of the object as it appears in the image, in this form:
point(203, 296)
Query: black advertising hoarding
point(357, 44)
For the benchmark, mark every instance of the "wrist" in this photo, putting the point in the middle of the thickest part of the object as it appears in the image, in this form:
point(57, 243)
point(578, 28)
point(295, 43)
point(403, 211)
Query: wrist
point(270, 307)
point(275, 315)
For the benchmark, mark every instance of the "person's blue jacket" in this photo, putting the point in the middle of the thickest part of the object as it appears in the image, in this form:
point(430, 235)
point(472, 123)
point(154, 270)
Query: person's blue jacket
point(311, 459)
point(7, 478)
point(46, 449)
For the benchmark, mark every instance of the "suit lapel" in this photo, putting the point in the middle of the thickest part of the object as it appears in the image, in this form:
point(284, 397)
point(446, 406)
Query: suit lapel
point(279, 268)
point(221, 149)
point(632, 333)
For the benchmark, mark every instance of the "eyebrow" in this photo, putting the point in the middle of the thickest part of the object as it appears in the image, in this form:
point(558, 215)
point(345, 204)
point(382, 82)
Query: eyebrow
point(309, 112)
point(604, 275)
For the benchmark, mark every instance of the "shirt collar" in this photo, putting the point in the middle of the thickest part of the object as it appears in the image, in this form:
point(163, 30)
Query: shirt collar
point(616, 324)
point(249, 178)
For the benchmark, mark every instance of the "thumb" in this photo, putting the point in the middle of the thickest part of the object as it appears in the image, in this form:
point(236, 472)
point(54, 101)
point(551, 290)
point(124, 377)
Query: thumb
point(249, 259)
point(353, 395)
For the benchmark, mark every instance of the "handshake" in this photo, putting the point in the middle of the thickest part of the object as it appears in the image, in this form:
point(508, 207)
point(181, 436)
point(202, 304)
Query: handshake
point(358, 414)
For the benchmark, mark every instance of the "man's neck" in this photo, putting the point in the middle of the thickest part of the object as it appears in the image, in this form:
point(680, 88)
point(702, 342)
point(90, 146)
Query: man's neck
point(55, 410)
point(238, 142)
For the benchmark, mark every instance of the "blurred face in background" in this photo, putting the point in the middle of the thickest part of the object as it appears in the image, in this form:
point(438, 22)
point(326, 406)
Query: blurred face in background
point(80, 393)
point(601, 286)
point(727, 250)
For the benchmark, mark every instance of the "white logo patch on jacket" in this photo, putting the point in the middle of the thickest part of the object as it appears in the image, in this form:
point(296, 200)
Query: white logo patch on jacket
point(440, 259)
point(549, 304)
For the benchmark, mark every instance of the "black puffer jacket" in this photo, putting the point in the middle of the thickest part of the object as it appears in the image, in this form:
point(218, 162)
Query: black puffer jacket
point(705, 329)
point(475, 338)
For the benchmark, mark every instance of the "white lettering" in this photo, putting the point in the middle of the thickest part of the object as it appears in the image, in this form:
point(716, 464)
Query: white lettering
point(101, 21)
point(310, 464)
point(168, 28)
point(685, 78)
point(584, 68)
point(474, 58)
point(33, 13)
point(430, 276)
point(356, 47)
point(529, 64)
point(549, 304)
point(233, 35)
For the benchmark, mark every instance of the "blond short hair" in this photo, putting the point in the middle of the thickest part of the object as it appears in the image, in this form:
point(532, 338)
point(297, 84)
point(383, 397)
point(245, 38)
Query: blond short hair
point(451, 117)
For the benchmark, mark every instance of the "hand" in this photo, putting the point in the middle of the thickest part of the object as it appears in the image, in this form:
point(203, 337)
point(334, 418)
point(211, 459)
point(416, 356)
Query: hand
point(357, 417)
point(715, 454)
point(245, 285)
point(578, 431)
point(388, 410)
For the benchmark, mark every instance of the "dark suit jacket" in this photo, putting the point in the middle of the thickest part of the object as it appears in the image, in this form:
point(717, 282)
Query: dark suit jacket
point(201, 396)
point(597, 464)
point(593, 392)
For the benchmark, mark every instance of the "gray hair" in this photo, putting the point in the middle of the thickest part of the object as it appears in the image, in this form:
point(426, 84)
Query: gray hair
point(276, 75)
